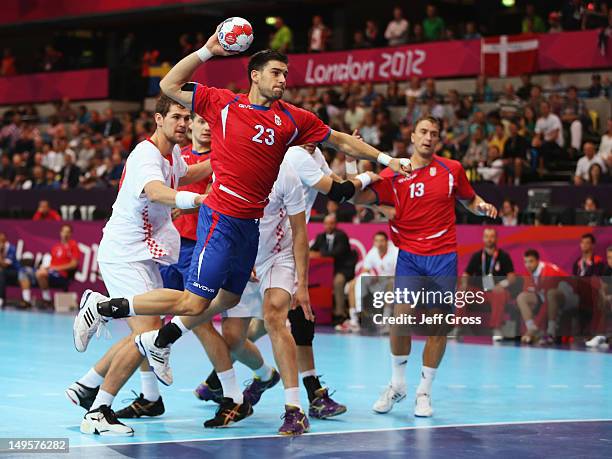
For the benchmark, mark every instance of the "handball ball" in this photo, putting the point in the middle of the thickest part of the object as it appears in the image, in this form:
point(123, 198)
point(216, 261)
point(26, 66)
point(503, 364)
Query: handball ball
point(235, 34)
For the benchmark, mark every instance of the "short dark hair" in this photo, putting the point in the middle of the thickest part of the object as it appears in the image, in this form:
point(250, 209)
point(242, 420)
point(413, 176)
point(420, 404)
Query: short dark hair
point(163, 104)
point(66, 225)
point(431, 119)
point(532, 253)
point(589, 236)
point(259, 60)
point(383, 234)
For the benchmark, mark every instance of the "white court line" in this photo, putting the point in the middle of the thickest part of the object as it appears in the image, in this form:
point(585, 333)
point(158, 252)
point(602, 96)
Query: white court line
point(490, 386)
point(524, 386)
point(457, 386)
point(593, 386)
point(341, 432)
point(137, 423)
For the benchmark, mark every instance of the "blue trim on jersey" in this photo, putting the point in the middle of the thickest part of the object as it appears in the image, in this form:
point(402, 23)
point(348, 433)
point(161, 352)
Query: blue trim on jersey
point(443, 165)
point(260, 107)
point(284, 110)
point(197, 153)
point(326, 136)
point(193, 95)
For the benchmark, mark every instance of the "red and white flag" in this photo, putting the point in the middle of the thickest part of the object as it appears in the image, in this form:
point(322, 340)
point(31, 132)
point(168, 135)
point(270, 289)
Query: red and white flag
point(512, 55)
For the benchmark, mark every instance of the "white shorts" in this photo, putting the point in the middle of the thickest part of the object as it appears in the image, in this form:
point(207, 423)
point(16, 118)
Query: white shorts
point(278, 272)
point(130, 278)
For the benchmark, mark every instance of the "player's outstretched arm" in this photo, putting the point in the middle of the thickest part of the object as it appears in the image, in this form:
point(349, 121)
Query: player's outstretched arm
point(179, 75)
point(301, 255)
point(357, 148)
point(156, 191)
point(479, 206)
point(196, 172)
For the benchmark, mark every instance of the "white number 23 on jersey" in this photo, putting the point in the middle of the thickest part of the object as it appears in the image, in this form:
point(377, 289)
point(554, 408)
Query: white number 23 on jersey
point(268, 138)
point(417, 190)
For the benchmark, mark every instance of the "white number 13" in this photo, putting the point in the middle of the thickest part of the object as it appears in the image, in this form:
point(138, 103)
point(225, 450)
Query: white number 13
point(269, 140)
point(417, 189)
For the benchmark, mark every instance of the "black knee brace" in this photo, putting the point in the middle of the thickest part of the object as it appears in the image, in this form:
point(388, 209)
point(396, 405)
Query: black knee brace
point(303, 330)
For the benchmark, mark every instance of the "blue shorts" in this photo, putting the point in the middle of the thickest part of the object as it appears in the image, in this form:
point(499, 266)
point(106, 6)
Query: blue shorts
point(175, 276)
point(431, 273)
point(224, 254)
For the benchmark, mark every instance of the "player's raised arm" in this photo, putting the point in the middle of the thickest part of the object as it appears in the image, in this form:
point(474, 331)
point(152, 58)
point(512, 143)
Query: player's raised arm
point(196, 172)
point(357, 148)
point(176, 83)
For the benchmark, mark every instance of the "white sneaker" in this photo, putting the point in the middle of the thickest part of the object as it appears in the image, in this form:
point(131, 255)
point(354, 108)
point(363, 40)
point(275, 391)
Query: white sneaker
point(497, 335)
point(88, 321)
point(422, 406)
point(597, 341)
point(389, 398)
point(158, 357)
point(103, 421)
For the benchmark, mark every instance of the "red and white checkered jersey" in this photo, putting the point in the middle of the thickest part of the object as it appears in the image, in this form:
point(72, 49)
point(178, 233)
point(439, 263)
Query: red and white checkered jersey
point(286, 198)
point(249, 143)
point(139, 229)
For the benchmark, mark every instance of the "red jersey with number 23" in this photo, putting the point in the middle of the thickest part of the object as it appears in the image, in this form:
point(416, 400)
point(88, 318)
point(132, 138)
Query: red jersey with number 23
point(249, 143)
point(186, 224)
point(424, 202)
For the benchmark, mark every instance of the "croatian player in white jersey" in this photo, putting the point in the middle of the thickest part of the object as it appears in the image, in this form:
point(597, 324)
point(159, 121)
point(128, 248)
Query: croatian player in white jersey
point(378, 269)
point(138, 237)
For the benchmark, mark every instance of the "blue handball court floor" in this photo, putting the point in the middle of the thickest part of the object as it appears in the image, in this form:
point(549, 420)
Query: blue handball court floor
point(500, 401)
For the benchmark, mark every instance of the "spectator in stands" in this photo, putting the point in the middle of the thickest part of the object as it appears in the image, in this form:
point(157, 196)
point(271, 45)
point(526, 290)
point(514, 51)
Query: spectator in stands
point(335, 243)
point(605, 305)
point(10, 133)
point(554, 22)
point(536, 98)
point(543, 291)
point(70, 173)
point(369, 94)
point(528, 123)
point(483, 91)
point(54, 158)
point(588, 264)
point(590, 204)
point(186, 48)
point(116, 170)
point(65, 257)
point(509, 104)
point(581, 176)
point(433, 25)
point(571, 116)
point(396, 32)
point(549, 132)
point(525, 90)
point(318, 35)
point(46, 213)
point(21, 173)
point(354, 114)
point(282, 38)
point(393, 97)
point(596, 89)
point(52, 59)
point(9, 266)
point(571, 14)
point(8, 67)
point(471, 31)
point(515, 153)
point(415, 89)
point(596, 18)
point(499, 138)
point(373, 35)
point(369, 131)
point(493, 169)
point(605, 144)
point(554, 85)
point(111, 126)
point(532, 22)
point(477, 149)
point(509, 213)
point(359, 40)
point(387, 130)
point(491, 269)
point(7, 171)
point(85, 153)
point(38, 180)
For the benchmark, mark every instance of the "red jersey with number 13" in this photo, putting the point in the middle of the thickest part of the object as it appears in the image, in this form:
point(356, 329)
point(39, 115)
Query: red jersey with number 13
point(249, 143)
point(424, 222)
point(186, 224)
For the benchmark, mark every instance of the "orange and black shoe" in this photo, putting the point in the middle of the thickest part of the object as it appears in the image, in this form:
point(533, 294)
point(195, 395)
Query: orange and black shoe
point(229, 413)
point(140, 406)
